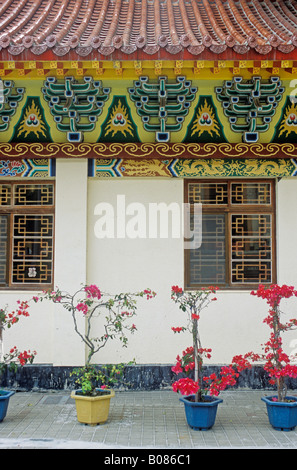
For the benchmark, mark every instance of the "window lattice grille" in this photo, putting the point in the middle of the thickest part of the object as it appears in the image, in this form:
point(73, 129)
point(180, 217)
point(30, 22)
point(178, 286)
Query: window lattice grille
point(26, 234)
point(237, 233)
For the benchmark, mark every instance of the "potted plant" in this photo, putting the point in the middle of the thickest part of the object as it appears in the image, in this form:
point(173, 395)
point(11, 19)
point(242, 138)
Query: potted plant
point(14, 358)
point(93, 397)
point(281, 408)
point(199, 393)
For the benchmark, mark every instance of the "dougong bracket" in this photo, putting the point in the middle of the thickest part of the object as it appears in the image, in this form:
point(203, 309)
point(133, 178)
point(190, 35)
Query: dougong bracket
point(250, 104)
point(162, 105)
point(9, 99)
point(71, 101)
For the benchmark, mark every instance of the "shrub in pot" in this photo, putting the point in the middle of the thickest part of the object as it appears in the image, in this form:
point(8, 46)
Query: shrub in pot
point(200, 393)
point(14, 358)
point(93, 397)
point(281, 408)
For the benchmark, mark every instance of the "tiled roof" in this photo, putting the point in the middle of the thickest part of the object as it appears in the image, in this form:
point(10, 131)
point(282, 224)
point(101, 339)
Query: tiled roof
point(147, 28)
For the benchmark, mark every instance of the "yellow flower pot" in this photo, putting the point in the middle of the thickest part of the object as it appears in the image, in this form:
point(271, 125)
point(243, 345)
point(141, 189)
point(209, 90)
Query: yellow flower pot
point(92, 410)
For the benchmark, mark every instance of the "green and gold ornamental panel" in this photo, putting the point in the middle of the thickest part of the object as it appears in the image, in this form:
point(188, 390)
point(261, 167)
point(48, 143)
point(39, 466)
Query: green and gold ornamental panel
point(148, 110)
point(169, 122)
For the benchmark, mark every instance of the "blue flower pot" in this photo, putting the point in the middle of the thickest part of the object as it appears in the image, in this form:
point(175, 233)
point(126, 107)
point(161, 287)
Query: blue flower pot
point(4, 400)
point(282, 415)
point(201, 416)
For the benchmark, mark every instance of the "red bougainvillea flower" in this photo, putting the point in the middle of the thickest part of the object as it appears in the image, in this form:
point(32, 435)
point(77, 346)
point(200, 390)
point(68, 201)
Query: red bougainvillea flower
point(25, 357)
point(277, 361)
point(185, 386)
point(195, 316)
point(177, 329)
point(274, 293)
point(177, 290)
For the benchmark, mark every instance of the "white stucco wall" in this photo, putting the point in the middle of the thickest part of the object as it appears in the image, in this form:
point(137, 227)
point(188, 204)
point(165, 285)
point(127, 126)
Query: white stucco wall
point(70, 254)
point(127, 264)
point(287, 231)
point(33, 333)
point(49, 328)
point(231, 325)
point(287, 251)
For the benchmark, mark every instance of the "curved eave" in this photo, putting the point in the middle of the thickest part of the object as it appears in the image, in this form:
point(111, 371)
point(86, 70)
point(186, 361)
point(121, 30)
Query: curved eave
point(147, 29)
point(162, 54)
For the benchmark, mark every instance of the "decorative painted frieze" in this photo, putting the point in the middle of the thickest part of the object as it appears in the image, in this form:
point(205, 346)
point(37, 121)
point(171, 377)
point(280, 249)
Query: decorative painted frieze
point(162, 106)
point(32, 125)
point(192, 168)
point(70, 111)
point(119, 125)
point(28, 168)
point(205, 125)
point(286, 128)
point(140, 151)
point(75, 105)
point(250, 104)
point(9, 99)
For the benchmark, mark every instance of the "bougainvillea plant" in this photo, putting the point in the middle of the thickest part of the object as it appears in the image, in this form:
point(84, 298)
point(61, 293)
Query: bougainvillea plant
point(13, 358)
point(117, 312)
point(277, 363)
point(191, 361)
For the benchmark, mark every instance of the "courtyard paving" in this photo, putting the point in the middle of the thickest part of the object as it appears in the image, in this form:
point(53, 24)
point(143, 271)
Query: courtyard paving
point(139, 420)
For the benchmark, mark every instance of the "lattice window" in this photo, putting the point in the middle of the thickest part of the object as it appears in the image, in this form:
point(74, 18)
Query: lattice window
point(3, 247)
point(34, 194)
point(208, 262)
point(5, 195)
point(237, 248)
point(208, 193)
point(26, 234)
point(251, 250)
point(251, 193)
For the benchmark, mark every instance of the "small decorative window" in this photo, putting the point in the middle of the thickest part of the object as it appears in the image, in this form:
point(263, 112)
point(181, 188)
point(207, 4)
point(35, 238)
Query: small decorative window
point(237, 248)
point(26, 234)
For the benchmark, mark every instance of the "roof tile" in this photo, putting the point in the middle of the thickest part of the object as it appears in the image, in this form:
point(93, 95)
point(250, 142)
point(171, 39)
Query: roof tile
point(147, 27)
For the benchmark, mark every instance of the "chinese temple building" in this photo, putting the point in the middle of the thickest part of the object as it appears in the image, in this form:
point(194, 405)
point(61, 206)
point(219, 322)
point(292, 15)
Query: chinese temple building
point(117, 119)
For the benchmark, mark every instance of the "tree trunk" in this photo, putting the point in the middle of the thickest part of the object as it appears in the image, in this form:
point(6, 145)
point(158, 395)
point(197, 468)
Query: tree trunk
point(197, 361)
point(281, 386)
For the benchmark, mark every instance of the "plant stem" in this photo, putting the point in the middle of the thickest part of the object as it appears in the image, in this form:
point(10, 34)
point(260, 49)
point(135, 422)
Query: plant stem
point(197, 359)
point(281, 387)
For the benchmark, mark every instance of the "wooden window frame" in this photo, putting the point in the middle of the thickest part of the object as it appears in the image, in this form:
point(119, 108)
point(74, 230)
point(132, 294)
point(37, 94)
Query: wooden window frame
point(229, 209)
point(32, 209)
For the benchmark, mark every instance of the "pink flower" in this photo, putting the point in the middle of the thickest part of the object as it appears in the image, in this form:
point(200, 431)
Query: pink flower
point(149, 293)
point(93, 292)
point(82, 308)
